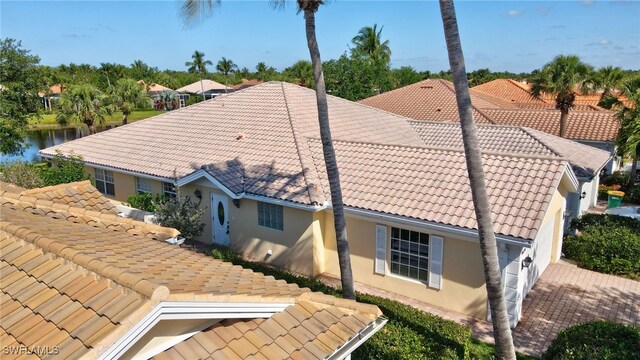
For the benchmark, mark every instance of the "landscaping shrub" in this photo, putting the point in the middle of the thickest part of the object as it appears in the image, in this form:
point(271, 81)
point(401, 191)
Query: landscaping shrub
point(633, 195)
point(616, 178)
point(21, 173)
point(603, 191)
point(181, 213)
point(601, 340)
point(607, 249)
point(62, 170)
point(605, 221)
point(142, 201)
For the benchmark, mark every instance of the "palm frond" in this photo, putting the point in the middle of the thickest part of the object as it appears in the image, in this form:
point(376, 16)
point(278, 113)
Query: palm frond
point(193, 12)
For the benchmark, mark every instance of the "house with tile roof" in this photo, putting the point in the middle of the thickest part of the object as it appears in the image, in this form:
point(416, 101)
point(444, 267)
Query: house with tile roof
point(79, 281)
point(254, 160)
point(434, 100)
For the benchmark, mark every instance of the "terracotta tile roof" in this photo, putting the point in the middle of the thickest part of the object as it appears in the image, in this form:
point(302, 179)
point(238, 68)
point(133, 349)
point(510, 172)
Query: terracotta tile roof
point(586, 161)
point(551, 107)
point(78, 194)
point(510, 90)
point(309, 329)
point(431, 99)
point(245, 128)
point(79, 280)
point(246, 83)
point(583, 125)
point(153, 87)
point(397, 180)
point(434, 100)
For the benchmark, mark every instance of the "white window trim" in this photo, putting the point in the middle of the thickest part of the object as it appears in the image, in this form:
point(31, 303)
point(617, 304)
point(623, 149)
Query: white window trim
point(104, 180)
point(389, 250)
point(168, 193)
point(270, 207)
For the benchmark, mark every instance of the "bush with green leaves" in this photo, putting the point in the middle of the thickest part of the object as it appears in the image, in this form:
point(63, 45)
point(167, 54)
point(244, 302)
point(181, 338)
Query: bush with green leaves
point(604, 221)
point(602, 340)
point(181, 213)
point(616, 178)
point(145, 201)
point(606, 245)
point(61, 170)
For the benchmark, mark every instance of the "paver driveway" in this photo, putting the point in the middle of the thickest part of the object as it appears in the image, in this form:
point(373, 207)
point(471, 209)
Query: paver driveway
point(564, 295)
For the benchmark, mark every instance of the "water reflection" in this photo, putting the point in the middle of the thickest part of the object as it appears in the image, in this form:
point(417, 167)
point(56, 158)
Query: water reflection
point(41, 139)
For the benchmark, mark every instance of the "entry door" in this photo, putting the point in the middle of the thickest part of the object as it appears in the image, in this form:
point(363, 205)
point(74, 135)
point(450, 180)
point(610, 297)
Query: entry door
point(220, 214)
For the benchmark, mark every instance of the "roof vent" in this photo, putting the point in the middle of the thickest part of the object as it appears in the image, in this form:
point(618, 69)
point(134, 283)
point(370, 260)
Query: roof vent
point(240, 136)
point(426, 87)
point(438, 109)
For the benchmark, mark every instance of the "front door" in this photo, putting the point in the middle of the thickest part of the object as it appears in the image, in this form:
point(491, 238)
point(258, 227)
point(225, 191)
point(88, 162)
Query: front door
point(220, 214)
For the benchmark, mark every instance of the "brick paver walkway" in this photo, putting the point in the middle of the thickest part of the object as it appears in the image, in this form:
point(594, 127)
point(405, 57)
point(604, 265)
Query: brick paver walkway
point(563, 296)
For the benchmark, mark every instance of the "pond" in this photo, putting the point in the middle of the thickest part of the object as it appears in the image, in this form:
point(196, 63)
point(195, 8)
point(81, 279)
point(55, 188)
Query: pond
point(44, 138)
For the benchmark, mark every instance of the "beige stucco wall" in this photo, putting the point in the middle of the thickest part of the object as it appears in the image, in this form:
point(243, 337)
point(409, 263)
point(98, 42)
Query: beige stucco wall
point(125, 184)
point(557, 206)
point(463, 286)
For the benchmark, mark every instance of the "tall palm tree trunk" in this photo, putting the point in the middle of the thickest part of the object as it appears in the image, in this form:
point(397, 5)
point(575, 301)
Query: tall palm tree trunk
point(564, 122)
point(488, 245)
point(344, 259)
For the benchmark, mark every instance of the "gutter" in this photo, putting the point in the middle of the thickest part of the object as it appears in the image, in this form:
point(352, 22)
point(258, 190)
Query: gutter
point(363, 335)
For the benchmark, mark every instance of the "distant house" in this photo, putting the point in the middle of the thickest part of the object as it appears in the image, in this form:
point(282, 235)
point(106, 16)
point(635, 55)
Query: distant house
point(246, 83)
point(162, 97)
point(209, 88)
point(80, 282)
point(434, 100)
point(255, 161)
point(53, 96)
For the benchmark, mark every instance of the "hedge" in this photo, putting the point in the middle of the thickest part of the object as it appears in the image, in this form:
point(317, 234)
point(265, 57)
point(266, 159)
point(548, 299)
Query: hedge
point(409, 334)
point(601, 340)
point(607, 244)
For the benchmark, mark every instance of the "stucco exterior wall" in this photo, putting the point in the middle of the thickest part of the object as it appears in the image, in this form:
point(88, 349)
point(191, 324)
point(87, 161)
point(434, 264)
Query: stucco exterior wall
point(463, 286)
point(125, 184)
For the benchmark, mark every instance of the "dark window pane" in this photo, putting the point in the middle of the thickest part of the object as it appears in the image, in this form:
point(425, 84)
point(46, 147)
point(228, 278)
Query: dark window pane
point(424, 263)
point(413, 273)
point(414, 248)
point(404, 234)
point(395, 256)
point(415, 236)
point(395, 268)
point(100, 186)
point(404, 246)
point(423, 274)
point(111, 190)
point(395, 232)
point(395, 244)
point(424, 250)
point(404, 258)
point(404, 270)
point(424, 239)
point(414, 261)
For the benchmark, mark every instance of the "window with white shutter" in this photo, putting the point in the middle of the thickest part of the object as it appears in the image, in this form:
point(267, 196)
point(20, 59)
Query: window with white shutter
point(435, 271)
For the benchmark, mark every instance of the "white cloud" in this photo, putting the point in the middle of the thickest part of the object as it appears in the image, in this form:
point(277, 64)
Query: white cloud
point(514, 13)
point(603, 42)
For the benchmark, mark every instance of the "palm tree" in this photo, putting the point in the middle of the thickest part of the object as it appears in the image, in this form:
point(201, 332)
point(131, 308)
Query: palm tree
point(629, 135)
point(561, 78)
point(192, 9)
point(226, 67)
point(301, 72)
point(126, 95)
point(82, 103)
point(198, 65)
point(608, 79)
point(488, 245)
point(369, 42)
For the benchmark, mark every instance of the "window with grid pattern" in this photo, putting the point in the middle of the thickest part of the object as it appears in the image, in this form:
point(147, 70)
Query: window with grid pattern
point(104, 182)
point(270, 215)
point(410, 254)
point(143, 185)
point(169, 190)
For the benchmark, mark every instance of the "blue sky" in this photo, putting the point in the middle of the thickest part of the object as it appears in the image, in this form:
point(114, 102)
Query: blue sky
point(501, 35)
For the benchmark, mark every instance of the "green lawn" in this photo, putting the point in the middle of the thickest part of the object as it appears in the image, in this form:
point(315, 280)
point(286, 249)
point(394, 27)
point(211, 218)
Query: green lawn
point(49, 120)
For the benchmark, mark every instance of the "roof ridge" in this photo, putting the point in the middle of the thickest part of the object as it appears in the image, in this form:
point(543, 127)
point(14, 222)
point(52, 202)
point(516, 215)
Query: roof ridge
point(448, 149)
point(526, 131)
point(132, 281)
point(473, 107)
point(302, 155)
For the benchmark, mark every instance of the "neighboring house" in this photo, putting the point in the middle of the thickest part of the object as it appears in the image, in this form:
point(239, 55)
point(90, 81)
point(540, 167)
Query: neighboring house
point(434, 100)
point(586, 161)
point(80, 282)
point(162, 97)
point(211, 89)
point(52, 97)
point(246, 84)
point(255, 161)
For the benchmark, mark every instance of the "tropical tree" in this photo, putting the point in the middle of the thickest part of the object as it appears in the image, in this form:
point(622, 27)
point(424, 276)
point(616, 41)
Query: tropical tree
point(141, 71)
point(83, 103)
point(488, 245)
point(561, 78)
point(629, 135)
point(111, 72)
point(406, 75)
point(369, 42)
point(19, 98)
point(225, 67)
point(126, 95)
point(199, 64)
point(264, 72)
point(301, 72)
point(191, 9)
point(608, 79)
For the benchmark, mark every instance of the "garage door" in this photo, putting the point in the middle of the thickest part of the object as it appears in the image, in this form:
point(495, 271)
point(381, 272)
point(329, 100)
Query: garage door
point(541, 255)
